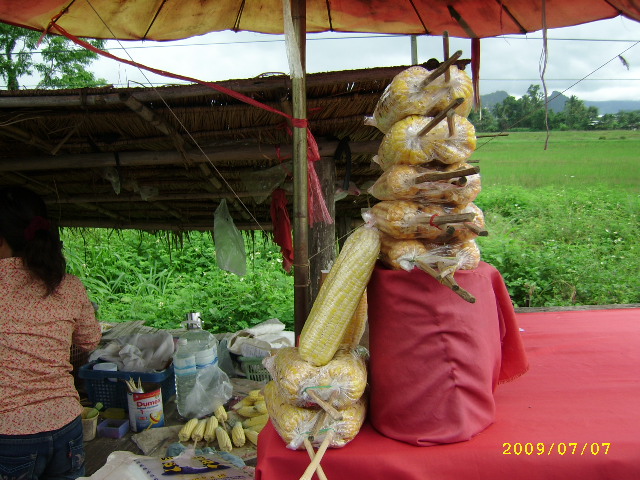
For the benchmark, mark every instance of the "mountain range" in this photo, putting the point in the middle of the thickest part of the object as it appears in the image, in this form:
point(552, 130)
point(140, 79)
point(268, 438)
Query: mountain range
point(557, 104)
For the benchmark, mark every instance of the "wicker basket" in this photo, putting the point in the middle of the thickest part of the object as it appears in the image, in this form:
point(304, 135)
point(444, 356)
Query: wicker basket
point(253, 369)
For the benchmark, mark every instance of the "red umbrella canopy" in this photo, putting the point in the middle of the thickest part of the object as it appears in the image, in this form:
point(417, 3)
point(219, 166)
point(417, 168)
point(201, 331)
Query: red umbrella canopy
point(171, 20)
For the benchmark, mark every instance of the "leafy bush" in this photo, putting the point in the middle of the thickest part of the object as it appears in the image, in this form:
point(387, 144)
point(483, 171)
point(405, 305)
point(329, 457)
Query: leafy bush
point(563, 247)
point(138, 276)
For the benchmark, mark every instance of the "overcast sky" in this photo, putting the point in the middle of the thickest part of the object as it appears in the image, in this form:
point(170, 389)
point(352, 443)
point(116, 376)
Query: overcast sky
point(508, 63)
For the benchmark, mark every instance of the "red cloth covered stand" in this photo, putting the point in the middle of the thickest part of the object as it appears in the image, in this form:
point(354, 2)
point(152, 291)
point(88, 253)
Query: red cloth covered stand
point(435, 358)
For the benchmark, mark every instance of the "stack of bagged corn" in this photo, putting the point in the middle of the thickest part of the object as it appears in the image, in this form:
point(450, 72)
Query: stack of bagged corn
point(317, 393)
point(427, 188)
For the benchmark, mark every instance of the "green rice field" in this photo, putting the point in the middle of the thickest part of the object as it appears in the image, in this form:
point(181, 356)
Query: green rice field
point(607, 158)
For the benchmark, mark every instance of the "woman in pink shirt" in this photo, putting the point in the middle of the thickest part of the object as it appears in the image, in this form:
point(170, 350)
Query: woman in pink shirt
point(43, 311)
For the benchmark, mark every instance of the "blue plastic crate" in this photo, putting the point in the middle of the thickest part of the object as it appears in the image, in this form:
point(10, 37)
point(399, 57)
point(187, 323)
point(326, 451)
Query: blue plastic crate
point(114, 394)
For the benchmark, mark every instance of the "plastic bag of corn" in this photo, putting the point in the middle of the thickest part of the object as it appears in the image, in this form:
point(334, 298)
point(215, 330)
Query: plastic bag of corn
point(404, 144)
point(341, 382)
point(407, 182)
point(294, 424)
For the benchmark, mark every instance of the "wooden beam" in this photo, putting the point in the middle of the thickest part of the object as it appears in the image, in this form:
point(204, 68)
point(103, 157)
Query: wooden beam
point(111, 96)
point(239, 152)
point(152, 225)
point(26, 137)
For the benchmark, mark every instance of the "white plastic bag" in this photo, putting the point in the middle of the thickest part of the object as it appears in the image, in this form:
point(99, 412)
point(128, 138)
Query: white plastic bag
point(212, 388)
point(230, 253)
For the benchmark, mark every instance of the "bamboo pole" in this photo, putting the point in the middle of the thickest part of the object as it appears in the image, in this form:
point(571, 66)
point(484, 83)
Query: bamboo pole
point(301, 276)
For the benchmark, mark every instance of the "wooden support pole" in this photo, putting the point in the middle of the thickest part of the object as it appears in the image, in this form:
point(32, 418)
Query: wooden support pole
point(301, 271)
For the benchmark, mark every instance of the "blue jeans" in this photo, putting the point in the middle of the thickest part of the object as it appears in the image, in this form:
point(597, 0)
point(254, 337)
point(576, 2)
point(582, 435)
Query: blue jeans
point(54, 455)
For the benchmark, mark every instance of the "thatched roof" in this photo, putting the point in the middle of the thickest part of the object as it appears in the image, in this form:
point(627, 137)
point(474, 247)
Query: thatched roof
point(174, 152)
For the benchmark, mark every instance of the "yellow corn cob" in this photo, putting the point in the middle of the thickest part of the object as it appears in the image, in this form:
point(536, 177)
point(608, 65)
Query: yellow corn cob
point(221, 414)
point(251, 435)
point(185, 432)
point(224, 442)
point(339, 296)
point(256, 394)
point(198, 432)
point(245, 402)
point(252, 411)
point(358, 323)
point(210, 429)
point(259, 420)
point(237, 435)
point(261, 406)
point(255, 428)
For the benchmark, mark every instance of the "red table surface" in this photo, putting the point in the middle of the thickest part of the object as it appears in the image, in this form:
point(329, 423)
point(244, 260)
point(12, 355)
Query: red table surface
point(574, 415)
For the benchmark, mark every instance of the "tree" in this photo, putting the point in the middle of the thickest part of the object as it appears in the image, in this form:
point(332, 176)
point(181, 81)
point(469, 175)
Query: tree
point(62, 64)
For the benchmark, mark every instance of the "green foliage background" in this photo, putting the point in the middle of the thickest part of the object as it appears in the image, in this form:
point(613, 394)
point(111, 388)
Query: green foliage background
point(563, 226)
point(139, 276)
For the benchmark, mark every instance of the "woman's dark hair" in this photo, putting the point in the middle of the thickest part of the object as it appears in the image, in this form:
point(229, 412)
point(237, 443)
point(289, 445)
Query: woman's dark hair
point(25, 226)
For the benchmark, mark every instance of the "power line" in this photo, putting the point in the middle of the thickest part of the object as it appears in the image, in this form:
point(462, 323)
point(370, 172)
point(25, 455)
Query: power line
point(355, 37)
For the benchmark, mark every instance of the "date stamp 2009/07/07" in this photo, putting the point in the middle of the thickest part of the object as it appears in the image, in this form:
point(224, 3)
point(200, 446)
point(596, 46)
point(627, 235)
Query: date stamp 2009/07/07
point(560, 448)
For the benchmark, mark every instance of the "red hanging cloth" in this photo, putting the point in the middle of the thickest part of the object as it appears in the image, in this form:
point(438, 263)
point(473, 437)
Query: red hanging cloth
point(282, 227)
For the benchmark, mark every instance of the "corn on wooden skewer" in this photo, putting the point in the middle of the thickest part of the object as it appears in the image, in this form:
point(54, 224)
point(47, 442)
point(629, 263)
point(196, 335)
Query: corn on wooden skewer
point(438, 118)
point(185, 432)
point(453, 218)
point(435, 176)
point(308, 473)
point(312, 454)
point(210, 429)
point(481, 232)
point(442, 68)
point(332, 412)
point(447, 281)
point(445, 48)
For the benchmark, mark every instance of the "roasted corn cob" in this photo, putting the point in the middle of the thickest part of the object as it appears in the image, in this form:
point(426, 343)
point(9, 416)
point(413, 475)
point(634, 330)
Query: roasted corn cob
point(237, 435)
point(404, 219)
point(251, 435)
point(210, 429)
point(224, 442)
point(198, 432)
point(221, 414)
point(184, 435)
point(339, 296)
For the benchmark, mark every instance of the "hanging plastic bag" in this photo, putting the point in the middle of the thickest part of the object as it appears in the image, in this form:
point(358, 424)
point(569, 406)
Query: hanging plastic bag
point(230, 253)
point(212, 388)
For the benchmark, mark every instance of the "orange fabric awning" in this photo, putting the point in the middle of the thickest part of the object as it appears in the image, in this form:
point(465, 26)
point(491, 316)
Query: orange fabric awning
point(162, 20)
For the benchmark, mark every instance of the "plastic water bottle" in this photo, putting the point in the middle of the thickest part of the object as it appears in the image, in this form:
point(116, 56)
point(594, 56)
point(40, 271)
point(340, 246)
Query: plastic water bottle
point(202, 343)
point(197, 350)
point(184, 369)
